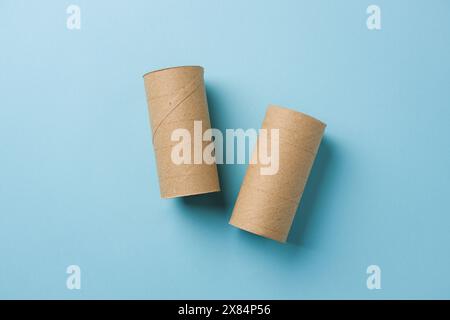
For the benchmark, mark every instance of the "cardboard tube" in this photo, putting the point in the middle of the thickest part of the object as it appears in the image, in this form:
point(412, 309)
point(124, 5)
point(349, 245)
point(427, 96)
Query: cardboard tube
point(267, 204)
point(176, 98)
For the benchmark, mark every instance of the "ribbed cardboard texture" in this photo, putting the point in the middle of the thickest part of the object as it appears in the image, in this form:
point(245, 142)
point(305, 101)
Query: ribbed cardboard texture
point(176, 98)
point(267, 204)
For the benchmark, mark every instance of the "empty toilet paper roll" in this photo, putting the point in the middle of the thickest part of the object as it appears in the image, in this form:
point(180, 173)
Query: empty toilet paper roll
point(266, 203)
point(176, 99)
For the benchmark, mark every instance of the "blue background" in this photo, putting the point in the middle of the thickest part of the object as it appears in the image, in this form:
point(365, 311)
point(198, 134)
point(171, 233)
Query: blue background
point(78, 182)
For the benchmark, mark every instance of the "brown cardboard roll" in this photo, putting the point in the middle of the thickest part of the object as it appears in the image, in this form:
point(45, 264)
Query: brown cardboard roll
point(176, 98)
point(267, 204)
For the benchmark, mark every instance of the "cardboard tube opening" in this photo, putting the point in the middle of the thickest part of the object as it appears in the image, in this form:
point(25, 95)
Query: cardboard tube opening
point(267, 203)
point(171, 68)
point(176, 100)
